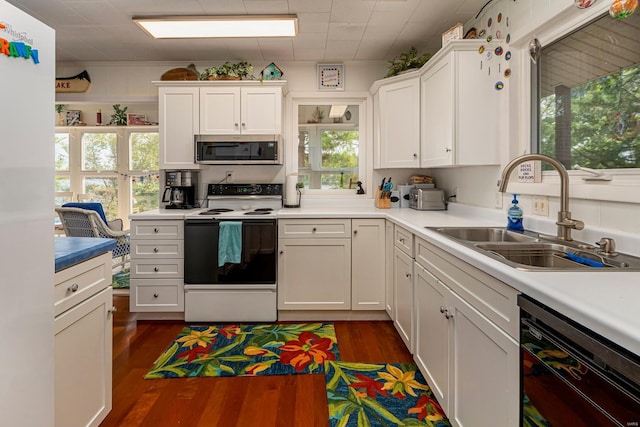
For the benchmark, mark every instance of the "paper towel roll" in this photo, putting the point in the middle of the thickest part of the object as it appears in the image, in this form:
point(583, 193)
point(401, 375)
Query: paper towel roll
point(291, 191)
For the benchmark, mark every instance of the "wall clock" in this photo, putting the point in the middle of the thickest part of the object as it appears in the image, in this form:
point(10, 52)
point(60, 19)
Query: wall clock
point(330, 77)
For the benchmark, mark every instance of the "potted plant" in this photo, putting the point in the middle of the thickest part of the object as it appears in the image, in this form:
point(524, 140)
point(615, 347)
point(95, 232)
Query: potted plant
point(228, 71)
point(406, 61)
point(119, 116)
point(60, 116)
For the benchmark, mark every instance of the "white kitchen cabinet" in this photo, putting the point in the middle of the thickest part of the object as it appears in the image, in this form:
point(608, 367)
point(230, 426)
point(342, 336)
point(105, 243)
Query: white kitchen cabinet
point(157, 266)
point(368, 278)
point(389, 285)
point(397, 135)
point(463, 115)
point(249, 110)
point(470, 361)
point(403, 296)
point(83, 343)
point(179, 122)
point(314, 274)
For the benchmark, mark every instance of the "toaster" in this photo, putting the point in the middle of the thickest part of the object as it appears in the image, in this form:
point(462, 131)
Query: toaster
point(427, 199)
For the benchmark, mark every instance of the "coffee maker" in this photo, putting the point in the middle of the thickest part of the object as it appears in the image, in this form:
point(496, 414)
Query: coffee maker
point(181, 190)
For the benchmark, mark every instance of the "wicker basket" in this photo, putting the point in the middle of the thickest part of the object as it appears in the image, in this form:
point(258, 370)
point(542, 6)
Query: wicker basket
point(217, 77)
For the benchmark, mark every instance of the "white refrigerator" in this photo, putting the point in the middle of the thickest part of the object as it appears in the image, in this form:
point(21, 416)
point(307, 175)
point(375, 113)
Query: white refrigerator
point(27, 97)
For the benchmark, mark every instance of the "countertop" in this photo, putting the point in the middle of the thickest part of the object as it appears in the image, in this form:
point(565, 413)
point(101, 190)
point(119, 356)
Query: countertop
point(603, 301)
point(73, 250)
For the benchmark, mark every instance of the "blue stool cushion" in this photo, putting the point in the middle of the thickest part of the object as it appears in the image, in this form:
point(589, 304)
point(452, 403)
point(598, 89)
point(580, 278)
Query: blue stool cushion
point(91, 206)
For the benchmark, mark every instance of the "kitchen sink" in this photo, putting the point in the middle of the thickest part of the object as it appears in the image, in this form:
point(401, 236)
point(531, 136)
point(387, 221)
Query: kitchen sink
point(486, 234)
point(537, 252)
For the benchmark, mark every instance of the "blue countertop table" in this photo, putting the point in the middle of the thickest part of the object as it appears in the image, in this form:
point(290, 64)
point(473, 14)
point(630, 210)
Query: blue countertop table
point(73, 250)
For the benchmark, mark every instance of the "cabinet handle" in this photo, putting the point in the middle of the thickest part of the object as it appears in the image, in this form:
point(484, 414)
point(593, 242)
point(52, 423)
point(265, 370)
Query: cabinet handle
point(314, 230)
point(155, 230)
point(243, 125)
point(401, 241)
point(448, 315)
point(155, 250)
point(355, 232)
point(156, 269)
point(442, 309)
point(112, 309)
point(72, 288)
point(281, 252)
point(408, 274)
point(235, 124)
point(415, 155)
point(448, 150)
point(155, 295)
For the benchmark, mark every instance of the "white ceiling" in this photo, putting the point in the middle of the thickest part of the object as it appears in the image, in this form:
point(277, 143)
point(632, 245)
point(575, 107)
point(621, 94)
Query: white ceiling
point(102, 30)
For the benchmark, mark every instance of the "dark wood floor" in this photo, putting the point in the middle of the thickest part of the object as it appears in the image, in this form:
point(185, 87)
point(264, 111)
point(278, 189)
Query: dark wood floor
point(290, 400)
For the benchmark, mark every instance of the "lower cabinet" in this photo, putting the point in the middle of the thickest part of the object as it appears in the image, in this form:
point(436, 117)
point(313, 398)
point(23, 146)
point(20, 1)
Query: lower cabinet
point(331, 264)
point(83, 345)
point(470, 362)
point(403, 296)
point(314, 274)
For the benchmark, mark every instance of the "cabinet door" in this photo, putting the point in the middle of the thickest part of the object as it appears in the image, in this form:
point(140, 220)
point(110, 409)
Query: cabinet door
point(432, 333)
point(403, 298)
point(389, 297)
point(261, 110)
point(399, 144)
point(314, 274)
point(437, 142)
point(220, 110)
point(368, 264)
point(484, 371)
point(178, 124)
point(83, 362)
point(480, 128)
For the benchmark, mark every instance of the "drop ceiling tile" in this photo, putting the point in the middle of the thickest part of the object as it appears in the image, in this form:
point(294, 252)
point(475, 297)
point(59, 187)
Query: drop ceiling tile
point(372, 51)
point(351, 11)
point(313, 22)
point(267, 7)
point(301, 54)
point(379, 32)
point(341, 31)
point(310, 5)
point(310, 41)
point(341, 50)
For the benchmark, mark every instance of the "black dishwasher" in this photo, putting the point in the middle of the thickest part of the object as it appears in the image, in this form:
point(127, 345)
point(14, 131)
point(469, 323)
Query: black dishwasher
point(571, 376)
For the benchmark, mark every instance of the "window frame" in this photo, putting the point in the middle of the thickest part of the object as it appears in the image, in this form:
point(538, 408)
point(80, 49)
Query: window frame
point(365, 149)
point(625, 182)
point(122, 173)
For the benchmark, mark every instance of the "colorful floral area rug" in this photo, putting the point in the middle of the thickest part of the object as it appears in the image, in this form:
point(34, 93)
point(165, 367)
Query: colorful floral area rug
point(229, 350)
point(364, 394)
point(120, 280)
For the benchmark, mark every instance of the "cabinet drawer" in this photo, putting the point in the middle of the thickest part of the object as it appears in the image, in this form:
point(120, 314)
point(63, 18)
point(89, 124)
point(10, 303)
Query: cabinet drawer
point(157, 268)
point(304, 228)
point(157, 229)
point(491, 297)
point(156, 295)
point(80, 281)
point(157, 249)
point(403, 239)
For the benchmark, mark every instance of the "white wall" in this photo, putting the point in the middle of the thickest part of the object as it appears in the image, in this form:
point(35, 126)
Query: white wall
point(26, 225)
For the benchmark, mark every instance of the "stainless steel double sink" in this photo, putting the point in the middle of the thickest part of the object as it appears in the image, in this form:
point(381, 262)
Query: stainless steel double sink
point(532, 251)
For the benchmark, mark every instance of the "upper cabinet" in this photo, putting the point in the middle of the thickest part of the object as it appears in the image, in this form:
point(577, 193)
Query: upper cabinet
point(448, 113)
point(189, 108)
point(178, 117)
point(240, 110)
point(463, 113)
point(398, 133)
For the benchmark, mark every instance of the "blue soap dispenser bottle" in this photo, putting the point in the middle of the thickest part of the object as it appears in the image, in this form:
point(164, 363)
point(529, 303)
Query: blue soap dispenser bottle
point(514, 216)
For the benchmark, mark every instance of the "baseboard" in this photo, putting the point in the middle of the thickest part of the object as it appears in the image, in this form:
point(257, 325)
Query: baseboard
point(330, 315)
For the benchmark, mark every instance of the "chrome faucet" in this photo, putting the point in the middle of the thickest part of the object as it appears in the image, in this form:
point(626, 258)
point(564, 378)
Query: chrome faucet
point(565, 223)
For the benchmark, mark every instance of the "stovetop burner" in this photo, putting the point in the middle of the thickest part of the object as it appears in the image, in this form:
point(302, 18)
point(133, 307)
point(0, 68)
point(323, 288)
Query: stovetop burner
point(216, 211)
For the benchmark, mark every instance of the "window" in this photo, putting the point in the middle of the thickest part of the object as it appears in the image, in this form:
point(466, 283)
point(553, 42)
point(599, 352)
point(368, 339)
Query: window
point(588, 91)
point(329, 147)
point(114, 166)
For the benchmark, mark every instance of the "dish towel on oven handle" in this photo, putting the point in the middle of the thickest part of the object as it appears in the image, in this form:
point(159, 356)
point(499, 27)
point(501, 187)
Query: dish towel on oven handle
point(230, 242)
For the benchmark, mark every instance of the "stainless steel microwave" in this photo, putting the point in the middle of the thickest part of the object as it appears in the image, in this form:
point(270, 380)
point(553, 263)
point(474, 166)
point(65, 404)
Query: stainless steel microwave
point(238, 149)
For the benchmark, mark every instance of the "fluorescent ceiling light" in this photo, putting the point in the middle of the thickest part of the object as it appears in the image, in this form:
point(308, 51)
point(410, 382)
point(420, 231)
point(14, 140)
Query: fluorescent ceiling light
point(337, 111)
point(173, 27)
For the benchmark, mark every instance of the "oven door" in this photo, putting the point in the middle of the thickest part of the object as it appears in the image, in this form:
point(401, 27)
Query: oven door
point(258, 254)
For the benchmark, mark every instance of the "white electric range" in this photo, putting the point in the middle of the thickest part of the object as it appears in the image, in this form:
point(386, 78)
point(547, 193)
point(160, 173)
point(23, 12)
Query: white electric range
point(231, 255)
